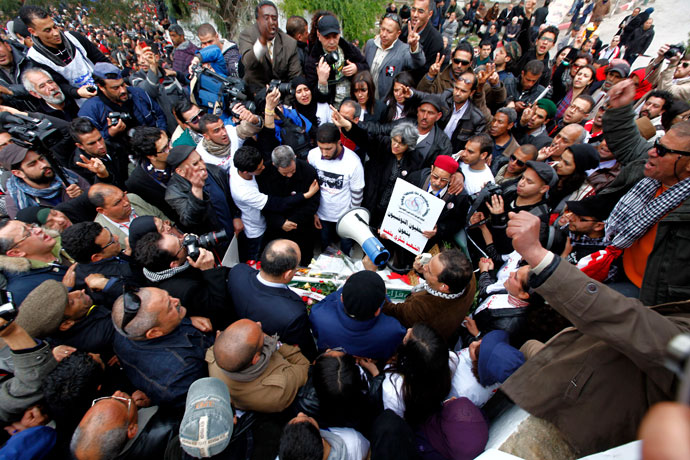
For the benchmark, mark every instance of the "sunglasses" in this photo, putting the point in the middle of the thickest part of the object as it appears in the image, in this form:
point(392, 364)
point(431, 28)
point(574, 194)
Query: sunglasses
point(461, 61)
point(662, 151)
point(128, 401)
point(520, 163)
point(132, 305)
point(685, 65)
point(195, 119)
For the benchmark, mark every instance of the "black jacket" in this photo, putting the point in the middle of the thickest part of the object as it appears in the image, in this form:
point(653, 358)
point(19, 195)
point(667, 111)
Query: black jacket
point(352, 54)
point(141, 183)
point(116, 162)
point(432, 43)
point(531, 55)
point(473, 122)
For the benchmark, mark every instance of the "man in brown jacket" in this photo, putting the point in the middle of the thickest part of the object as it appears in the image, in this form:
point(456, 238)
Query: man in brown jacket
point(443, 298)
point(261, 373)
point(596, 381)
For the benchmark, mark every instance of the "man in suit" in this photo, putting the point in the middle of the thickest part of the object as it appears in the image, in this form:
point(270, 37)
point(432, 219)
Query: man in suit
point(267, 52)
point(117, 209)
point(264, 296)
point(387, 56)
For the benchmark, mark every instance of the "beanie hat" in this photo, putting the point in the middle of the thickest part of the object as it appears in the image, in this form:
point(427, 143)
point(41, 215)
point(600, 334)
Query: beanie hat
point(585, 156)
point(178, 154)
point(42, 311)
point(363, 294)
point(548, 105)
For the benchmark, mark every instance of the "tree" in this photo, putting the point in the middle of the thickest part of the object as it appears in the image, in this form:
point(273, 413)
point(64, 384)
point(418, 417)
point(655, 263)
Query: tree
point(357, 17)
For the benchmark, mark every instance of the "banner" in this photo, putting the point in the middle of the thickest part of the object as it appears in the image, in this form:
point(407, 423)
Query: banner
point(410, 212)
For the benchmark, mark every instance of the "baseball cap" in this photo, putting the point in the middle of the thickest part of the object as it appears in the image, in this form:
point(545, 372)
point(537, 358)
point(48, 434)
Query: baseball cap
point(207, 424)
point(328, 24)
point(597, 206)
point(621, 68)
point(106, 71)
point(12, 154)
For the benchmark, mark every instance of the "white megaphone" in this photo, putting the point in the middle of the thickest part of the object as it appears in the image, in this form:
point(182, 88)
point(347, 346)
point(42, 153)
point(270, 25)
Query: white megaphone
point(355, 224)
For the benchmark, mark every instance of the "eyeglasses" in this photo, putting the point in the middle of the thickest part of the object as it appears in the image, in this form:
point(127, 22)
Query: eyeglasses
point(112, 239)
point(662, 151)
point(195, 119)
point(28, 231)
point(393, 17)
point(461, 61)
point(117, 398)
point(547, 39)
point(166, 149)
point(466, 81)
point(132, 305)
point(439, 178)
point(520, 163)
point(577, 109)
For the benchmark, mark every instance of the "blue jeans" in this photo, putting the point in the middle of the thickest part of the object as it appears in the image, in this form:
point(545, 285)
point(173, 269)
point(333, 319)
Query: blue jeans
point(329, 235)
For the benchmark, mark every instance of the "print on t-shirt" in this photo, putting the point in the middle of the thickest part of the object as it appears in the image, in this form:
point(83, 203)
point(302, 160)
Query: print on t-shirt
point(330, 180)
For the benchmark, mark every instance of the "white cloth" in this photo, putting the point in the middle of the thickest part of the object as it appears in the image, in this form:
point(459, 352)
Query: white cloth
point(511, 264)
point(251, 201)
point(341, 181)
point(391, 389)
point(464, 383)
point(475, 180)
point(226, 161)
point(356, 444)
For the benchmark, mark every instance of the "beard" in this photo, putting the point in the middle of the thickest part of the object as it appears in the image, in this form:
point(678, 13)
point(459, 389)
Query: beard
point(56, 98)
point(46, 177)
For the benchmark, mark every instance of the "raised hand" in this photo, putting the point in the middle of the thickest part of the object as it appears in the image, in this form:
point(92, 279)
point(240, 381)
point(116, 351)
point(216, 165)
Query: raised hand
point(413, 38)
point(436, 66)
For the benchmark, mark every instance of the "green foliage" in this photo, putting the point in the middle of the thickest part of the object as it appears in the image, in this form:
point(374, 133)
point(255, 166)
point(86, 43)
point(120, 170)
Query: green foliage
point(357, 17)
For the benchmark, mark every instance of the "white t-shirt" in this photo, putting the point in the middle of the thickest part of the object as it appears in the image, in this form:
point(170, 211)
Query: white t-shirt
point(475, 180)
point(341, 181)
point(251, 201)
point(357, 445)
point(391, 388)
point(226, 161)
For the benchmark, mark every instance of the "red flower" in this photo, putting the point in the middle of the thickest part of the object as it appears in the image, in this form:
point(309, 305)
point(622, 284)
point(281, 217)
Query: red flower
point(313, 289)
point(305, 298)
point(319, 291)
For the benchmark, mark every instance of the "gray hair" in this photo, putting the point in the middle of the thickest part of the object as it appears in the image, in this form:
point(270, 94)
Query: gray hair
point(408, 133)
point(145, 319)
point(109, 443)
point(25, 78)
point(582, 134)
point(357, 108)
point(508, 112)
point(282, 156)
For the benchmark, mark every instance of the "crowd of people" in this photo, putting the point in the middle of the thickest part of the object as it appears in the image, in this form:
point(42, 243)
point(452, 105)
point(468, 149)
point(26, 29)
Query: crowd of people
point(133, 152)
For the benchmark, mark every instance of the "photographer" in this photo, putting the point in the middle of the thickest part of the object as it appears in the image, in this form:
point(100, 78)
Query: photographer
point(676, 77)
point(529, 196)
point(332, 62)
point(118, 107)
point(201, 286)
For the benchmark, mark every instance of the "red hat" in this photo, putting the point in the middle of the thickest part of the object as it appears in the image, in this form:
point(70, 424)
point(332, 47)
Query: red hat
point(446, 163)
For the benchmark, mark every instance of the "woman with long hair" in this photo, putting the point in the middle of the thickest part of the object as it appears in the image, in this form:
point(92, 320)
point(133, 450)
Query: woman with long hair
point(363, 91)
point(398, 102)
point(419, 380)
point(583, 78)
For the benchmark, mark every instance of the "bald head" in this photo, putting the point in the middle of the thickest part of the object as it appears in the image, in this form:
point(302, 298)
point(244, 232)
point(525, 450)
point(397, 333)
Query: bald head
point(239, 345)
point(98, 192)
point(105, 429)
point(279, 257)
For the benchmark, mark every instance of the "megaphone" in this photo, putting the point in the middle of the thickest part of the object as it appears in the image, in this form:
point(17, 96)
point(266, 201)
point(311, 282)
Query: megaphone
point(355, 224)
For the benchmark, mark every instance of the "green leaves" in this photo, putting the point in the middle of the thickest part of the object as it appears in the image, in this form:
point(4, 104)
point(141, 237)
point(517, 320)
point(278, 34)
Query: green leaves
point(357, 17)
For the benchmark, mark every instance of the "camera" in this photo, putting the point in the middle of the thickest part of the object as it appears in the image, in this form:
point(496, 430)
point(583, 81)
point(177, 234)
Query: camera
point(115, 116)
point(192, 242)
point(331, 58)
point(673, 50)
point(480, 198)
point(8, 310)
point(284, 88)
point(31, 133)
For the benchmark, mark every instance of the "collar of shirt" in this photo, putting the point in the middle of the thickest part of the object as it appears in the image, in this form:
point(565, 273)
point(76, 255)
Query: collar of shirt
point(455, 118)
point(124, 226)
point(377, 42)
point(438, 194)
point(270, 283)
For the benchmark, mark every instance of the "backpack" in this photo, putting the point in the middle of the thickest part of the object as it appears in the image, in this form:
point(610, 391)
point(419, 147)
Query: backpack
point(293, 129)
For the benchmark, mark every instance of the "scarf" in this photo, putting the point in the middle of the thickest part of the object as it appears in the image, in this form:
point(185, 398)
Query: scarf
point(217, 150)
point(633, 216)
point(424, 286)
point(254, 371)
point(157, 277)
point(69, 49)
point(25, 195)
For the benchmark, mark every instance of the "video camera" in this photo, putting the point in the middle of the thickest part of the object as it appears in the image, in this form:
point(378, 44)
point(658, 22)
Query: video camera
point(192, 242)
point(480, 198)
point(34, 134)
point(220, 93)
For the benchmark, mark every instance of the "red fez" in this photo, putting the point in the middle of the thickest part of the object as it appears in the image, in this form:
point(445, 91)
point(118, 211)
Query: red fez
point(446, 163)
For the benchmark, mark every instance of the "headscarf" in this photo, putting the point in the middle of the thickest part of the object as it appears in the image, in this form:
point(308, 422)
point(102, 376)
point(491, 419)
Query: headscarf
point(644, 86)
